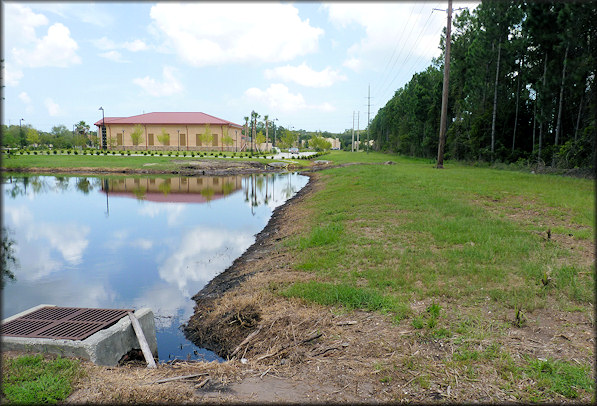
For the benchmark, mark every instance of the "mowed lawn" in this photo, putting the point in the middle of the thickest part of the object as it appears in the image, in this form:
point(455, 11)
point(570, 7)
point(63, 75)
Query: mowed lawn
point(410, 231)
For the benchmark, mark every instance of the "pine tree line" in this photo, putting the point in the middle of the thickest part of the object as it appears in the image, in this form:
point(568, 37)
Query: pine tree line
point(522, 87)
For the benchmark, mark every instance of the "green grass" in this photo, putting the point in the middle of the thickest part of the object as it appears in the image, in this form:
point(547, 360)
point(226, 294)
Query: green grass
point(158, 162)
point(350, 297)
point(409, 229)
point(31, 379)
point(553, 376)
point(463, 240)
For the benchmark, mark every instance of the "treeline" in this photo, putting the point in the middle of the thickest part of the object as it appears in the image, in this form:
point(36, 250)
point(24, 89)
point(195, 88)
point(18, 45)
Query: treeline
point(522, 87)
point(25, 136)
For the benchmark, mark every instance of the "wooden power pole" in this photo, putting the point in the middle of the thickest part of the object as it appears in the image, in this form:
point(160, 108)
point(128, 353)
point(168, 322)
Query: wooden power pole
point(443, 120)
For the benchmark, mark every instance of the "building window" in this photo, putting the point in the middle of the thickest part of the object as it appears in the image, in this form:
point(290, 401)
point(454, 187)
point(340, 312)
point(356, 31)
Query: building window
point(150, 139)
point(119, 139)
point(215, 141)
point(182, 140)
point(198, 139)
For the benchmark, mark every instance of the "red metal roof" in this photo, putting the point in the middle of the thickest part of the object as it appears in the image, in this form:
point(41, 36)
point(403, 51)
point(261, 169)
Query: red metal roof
point(165, 118)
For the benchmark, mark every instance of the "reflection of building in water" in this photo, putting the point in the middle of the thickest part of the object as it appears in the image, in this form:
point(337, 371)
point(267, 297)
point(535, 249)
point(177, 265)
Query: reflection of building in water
point(175, 190)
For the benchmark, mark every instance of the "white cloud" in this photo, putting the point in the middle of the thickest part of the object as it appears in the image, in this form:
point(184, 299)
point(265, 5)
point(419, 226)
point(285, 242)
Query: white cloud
point(135, 46)
point(174, 211)
point(106, 44)
point(389, 27)
point(353, 63)
point(168, 87)
point(217, 33)
point(20, 23)
point(201, 254)
point(113, 56)
point(11, 75)
point(305, 76)
point(53, 108)
point(278, 97)
point(142, 243)
point(57, 49)
point(25, 49)
point(41, 240)
point(24, 97)
point(68, 239)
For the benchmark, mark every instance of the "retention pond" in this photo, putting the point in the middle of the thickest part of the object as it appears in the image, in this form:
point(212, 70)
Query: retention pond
point(132, 242)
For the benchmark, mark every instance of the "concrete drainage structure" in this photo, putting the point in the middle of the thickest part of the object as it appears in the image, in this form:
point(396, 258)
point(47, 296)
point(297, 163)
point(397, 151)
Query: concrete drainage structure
point(105, 347)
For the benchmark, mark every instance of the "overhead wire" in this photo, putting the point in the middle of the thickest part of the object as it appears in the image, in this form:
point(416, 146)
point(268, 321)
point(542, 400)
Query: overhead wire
point(397, 43)
point(402, 47)
point(384, 90)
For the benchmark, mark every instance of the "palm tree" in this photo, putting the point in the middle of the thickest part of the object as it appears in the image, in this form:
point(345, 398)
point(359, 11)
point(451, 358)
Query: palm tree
point(266, 118)
point(246, 128)
point(254, 116)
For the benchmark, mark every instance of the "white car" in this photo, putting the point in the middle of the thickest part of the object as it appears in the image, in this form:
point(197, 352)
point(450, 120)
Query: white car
point(293, 150)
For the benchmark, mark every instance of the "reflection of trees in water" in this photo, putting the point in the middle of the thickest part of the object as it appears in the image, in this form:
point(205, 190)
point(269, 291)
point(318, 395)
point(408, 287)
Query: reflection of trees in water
point(261, 189)
point(9, 262)
point(208, 193)
point(139, 192)
point(227, 188)
point(83, 185)
point(62, 183)
point(20, 186)
point(164, 187)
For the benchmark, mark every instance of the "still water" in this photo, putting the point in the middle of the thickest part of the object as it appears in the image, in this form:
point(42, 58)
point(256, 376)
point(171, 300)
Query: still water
point(133, 242)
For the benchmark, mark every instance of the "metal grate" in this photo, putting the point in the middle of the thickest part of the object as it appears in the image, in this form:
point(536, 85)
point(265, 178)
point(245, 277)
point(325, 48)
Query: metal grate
point(69, 323)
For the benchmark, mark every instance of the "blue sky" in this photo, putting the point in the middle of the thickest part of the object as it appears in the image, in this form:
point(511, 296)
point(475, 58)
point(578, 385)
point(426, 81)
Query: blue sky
point(308, 64)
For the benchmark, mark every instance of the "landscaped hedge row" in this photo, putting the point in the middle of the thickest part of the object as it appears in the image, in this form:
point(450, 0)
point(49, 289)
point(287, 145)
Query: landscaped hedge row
point(128, 153)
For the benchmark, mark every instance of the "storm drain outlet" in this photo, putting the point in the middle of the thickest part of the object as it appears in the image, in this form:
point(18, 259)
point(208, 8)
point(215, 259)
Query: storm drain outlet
point(67, 323)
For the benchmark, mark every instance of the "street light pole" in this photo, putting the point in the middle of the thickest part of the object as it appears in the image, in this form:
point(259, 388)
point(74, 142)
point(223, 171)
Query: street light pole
point(21, 132)
point(274, 124)
point(103, 129)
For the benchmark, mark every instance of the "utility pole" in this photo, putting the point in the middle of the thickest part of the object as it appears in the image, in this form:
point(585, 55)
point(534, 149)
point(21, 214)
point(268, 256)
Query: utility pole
point(358, 129)
point(443, 124)
point(352, 145)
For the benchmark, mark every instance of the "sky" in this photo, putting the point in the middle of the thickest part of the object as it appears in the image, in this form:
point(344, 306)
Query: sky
point(309, 65)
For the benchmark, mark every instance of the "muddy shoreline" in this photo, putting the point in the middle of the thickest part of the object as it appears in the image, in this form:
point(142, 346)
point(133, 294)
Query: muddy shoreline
point(207, 335)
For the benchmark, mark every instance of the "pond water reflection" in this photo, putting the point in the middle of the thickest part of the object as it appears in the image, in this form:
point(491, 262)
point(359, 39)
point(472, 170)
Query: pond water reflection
point(121, 242)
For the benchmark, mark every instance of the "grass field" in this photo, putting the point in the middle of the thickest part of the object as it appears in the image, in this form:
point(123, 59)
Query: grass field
point(409, 230)
point(120, 161)
point(464, 240)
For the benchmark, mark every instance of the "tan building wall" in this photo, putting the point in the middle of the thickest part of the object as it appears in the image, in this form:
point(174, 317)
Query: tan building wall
point(182, 137)
point(204, 186)
point(335, 142)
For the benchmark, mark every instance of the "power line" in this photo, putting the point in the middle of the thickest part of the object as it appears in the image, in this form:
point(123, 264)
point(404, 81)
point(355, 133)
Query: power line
point(410, 52)
point(399, 54)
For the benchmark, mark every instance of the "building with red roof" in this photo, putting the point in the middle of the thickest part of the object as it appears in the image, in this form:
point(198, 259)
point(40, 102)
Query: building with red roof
point(182, 131)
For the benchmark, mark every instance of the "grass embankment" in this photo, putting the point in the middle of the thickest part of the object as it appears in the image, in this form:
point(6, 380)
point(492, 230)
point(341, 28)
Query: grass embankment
point(464, 240)
point(31, 379)
point(123, 162)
